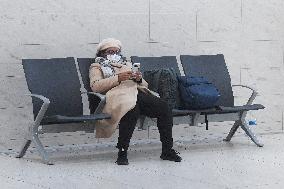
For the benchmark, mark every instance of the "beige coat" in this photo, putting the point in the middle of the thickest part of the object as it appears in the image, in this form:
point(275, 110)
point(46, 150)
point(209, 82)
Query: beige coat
point(120, 97)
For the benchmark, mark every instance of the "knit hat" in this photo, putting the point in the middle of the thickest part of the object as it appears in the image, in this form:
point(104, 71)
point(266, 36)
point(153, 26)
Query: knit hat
point(107, 43)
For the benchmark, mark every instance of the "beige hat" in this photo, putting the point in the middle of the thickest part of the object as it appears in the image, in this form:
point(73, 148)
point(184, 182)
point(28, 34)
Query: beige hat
point(107, 43)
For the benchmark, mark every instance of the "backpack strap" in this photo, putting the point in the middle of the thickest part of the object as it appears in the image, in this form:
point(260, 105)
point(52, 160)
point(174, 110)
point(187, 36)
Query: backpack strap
point(206, 121)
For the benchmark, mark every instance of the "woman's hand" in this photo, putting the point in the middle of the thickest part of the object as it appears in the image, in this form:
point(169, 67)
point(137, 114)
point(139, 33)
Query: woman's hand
point(125, 76)
point(137, 76)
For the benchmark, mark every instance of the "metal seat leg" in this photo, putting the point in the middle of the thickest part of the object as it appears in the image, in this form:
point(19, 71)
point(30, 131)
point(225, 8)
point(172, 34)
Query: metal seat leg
point(252, 136)
point(41, 150)
point(241, 122)
point(24, 149)
point(233, 131)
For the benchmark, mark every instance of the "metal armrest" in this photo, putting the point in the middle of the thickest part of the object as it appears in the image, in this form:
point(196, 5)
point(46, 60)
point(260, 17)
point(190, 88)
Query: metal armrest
point(43, 108)
point(34, 127)
point(34, 131)
point(253, 95)
point(101, 105)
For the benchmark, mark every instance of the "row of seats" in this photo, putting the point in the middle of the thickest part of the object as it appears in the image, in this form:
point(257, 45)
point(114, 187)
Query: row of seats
point(55, 89)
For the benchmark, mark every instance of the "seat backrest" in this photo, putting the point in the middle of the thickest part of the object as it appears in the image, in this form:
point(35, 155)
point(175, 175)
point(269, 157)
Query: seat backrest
point(84, 65)
point(155, 63)
point(57, 79)
point(212, 67)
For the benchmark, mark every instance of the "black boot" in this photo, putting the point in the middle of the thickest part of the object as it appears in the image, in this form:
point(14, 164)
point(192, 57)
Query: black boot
point(170, 155)
point(122, 157)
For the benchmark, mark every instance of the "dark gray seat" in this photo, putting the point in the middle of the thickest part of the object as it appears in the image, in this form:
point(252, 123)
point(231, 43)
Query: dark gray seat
point(56, 83)
point(212, 67)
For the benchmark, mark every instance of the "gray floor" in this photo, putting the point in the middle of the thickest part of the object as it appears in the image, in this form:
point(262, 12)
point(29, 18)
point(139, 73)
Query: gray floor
point(208, 162)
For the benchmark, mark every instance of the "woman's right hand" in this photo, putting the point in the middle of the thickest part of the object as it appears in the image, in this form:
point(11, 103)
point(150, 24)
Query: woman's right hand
point(124, 76)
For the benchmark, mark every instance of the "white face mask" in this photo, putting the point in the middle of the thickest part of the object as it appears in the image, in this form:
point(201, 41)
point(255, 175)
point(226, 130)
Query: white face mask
point(114, 57)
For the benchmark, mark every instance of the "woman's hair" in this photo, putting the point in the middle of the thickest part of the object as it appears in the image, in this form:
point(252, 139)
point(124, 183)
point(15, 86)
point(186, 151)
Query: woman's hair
point(100, 53)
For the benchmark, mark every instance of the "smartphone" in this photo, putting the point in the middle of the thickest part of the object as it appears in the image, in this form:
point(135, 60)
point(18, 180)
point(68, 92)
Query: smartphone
point(136, 67)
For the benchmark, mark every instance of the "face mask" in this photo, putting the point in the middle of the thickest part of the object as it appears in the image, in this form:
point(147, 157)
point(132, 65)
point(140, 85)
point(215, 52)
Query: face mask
point(114, 57)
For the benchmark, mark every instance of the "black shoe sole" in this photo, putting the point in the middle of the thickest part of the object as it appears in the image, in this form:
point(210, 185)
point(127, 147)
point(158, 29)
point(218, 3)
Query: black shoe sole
point(175, 160)
point(122, 163)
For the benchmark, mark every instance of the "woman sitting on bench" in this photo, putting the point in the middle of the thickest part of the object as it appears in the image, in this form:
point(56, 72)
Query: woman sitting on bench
point(127, 96)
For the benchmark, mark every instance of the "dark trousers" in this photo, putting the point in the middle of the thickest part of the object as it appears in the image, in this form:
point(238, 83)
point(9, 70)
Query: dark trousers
point(150, 106)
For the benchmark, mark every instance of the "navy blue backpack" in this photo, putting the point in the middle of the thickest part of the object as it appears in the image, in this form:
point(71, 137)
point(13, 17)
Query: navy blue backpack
point(197, 93)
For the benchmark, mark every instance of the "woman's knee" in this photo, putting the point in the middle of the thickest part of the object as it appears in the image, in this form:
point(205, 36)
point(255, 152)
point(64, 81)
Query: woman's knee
point(133, 113)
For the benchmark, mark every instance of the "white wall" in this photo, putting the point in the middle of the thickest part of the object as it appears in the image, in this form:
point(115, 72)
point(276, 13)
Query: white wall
point(250, 34)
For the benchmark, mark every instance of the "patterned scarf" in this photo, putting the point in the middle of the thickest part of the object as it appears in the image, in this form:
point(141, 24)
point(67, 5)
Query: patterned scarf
point(106, 66)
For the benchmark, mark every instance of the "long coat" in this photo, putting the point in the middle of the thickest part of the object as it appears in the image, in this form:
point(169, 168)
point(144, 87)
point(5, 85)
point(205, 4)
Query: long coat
point(120, 97)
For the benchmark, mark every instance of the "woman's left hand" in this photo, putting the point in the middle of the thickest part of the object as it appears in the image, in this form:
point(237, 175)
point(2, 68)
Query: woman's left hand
point(137, 76)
